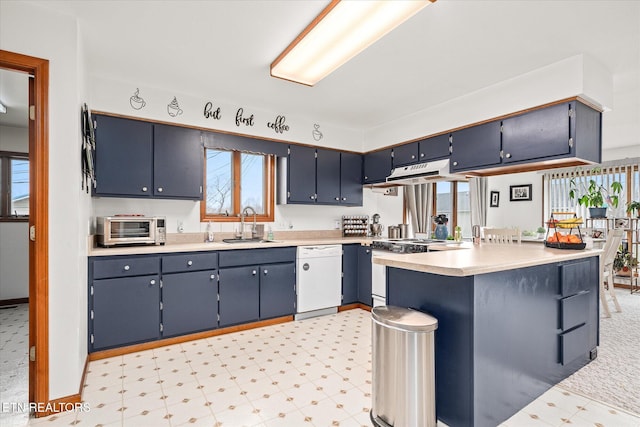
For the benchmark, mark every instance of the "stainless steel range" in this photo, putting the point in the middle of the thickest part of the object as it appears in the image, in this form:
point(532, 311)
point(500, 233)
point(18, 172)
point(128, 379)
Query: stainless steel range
point(404, 246)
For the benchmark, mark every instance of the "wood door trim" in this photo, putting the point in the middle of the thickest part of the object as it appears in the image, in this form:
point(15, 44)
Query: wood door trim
point(38, 217)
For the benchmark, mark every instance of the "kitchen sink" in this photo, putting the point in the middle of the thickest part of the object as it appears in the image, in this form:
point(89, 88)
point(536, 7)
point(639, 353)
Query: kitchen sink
point(256, 240)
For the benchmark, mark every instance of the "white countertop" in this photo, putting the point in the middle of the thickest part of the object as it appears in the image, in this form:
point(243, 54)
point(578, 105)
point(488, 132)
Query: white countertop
point(472, 259)
point(221, 246)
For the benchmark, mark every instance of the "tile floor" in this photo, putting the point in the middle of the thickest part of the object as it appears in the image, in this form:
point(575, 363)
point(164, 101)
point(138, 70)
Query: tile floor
point(314, 372)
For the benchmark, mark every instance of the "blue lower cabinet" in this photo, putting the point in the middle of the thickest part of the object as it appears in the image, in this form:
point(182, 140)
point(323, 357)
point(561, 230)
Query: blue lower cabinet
point(350, 274)
point(124, 311)
point(364, 275)
point(277, 290)
point(239, 290)
point(189, 302)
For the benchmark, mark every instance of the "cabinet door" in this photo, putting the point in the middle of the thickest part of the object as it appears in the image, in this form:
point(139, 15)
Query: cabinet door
point(349, 274)
point(377, 166)
point(178, 162)
point(351, 179)
point(277, 290)
point(435, 148)
point(301, 174)
point(239, 289)
point(537, 134)
point(124, 149)
point(125, 311)
point(477, 146)
point(364, 275)
point(328, 176)
point(189, 302)
point(406, 154)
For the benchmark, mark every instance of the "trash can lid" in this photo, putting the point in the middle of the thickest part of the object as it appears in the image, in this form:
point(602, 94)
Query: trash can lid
point(404, 318)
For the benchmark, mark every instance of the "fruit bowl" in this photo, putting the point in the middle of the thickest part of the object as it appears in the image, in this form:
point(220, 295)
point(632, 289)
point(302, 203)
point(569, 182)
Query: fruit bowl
point(564, 245)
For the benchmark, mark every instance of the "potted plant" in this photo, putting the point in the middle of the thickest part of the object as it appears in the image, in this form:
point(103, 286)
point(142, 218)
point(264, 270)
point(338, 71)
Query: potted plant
point(594, 195)
point(634, 206)
point(623, 263)
point(541, 232)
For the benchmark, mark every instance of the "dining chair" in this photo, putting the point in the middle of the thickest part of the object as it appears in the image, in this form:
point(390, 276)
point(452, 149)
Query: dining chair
point(502, 235)
point(606, 270)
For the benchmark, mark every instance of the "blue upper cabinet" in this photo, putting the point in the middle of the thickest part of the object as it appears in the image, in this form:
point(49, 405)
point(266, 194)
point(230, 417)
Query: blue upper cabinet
point(350, 179)
point(328, 177)
point(178, 162)
point(407, 154)
point(434, 148)
point(377, 165)
point(477, 146)
point(537, 134)
point(123, 150)
point(301, 174)
point(323, 176)
point(141, 159)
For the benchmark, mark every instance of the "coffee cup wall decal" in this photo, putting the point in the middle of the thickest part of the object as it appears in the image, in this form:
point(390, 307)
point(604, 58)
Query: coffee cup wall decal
point(137, 102)
point(317, 135)
point(174, 108)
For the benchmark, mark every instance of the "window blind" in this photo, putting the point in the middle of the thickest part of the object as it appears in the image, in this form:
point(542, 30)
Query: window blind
point(558, 183)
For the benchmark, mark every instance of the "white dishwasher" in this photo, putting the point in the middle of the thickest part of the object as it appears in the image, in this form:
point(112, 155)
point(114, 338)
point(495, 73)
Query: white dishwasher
point(318, 280)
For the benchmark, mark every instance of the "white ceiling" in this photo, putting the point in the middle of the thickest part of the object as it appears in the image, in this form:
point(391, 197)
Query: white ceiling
point(449, 49)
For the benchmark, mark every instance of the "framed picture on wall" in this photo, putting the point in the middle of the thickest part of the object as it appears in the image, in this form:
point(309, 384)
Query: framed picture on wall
point(622, 223)
point(519, 193)
point(495, 199)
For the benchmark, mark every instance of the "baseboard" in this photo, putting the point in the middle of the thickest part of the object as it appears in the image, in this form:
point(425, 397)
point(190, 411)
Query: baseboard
point(353, 307)
point(103, 354)
point(72, 402)
point(14, 301)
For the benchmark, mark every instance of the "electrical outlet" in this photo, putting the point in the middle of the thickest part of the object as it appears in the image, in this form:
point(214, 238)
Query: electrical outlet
point(180, 227)
point(337, 224)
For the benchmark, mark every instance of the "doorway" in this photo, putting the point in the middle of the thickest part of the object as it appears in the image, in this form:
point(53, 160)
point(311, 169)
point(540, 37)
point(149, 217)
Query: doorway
point(38, 71)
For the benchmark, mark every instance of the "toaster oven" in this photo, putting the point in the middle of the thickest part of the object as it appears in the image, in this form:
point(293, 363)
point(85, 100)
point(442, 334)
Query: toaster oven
point(130, 230)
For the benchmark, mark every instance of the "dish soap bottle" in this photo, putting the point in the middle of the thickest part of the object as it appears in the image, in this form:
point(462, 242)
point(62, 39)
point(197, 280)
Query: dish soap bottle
point(269, 234)
point(209, 232)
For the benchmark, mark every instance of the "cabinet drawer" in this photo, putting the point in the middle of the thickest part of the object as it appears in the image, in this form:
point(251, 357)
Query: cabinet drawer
point(574, 344)
point(234, 258)
point(190, 262)
point(575, 277)
point(574, 310)
point(125, 267)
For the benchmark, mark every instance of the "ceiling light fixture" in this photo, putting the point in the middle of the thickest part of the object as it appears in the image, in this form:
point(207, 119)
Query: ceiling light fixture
point(341, 31)
point(3, 109)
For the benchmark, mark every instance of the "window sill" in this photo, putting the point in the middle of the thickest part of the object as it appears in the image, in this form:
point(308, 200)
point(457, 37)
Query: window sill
point(15, 219)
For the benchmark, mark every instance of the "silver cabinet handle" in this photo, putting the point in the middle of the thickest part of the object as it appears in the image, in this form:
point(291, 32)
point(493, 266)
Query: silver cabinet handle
point(421, 154)
point(337, 198)
point(159, 189)
point(455, 163)
point(344, 199)
point(212, 277)
point(413, 157)
point(144, 188)
point(312, 197)
point(508, 156)
point(367, 251)
point(253, 272)
point(126, 268)
point(265, 272)
point(152, 282)
point(189, 263)
point(366, 177)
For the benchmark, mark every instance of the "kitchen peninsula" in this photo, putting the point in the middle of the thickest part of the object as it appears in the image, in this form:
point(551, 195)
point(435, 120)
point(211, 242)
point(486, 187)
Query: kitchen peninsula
point(513, 320)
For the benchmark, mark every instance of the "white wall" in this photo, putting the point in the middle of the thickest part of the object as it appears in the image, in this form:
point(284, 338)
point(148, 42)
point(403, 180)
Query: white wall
point(287, 217)
point(40, 32)
point(14, 243)
point(14, 260)
point(526, 215)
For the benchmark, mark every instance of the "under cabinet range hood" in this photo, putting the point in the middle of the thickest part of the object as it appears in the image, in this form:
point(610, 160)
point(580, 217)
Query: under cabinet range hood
point(437, 170)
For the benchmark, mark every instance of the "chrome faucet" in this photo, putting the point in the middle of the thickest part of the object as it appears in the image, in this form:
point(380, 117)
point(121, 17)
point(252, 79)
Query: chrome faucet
point(254, 230)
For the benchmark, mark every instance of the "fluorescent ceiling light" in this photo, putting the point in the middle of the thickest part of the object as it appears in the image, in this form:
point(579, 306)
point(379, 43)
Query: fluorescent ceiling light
point(3, 109)
point(341, 31)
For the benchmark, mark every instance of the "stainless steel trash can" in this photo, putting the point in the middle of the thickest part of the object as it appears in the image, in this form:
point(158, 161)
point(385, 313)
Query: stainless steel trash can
point(403, 368)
